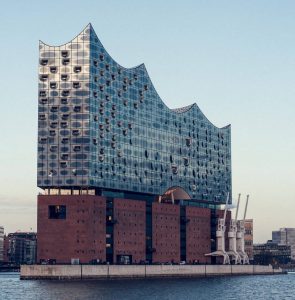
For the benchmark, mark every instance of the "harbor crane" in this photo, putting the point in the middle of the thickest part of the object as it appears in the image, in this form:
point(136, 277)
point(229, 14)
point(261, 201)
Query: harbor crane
point(240, 237)
point(220, 232)
point(232, 237)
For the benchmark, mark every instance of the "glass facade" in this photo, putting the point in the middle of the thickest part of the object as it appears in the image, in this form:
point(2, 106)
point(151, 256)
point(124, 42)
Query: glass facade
point(104, 126)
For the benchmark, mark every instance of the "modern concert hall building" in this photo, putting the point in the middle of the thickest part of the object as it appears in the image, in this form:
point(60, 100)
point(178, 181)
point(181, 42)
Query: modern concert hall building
point(124, 178)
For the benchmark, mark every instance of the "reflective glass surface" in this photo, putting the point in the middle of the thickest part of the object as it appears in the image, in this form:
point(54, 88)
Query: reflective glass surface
point(104, 126)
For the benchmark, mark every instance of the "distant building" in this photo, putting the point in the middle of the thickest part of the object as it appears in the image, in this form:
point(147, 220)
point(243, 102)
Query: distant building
point(271, 253)
point(5, 249)
point(22, 248)
point(1, 242)
point(285, 236)
point(248, 237)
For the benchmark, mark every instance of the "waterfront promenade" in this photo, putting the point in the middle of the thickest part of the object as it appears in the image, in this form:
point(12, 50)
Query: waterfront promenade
point(80, 272)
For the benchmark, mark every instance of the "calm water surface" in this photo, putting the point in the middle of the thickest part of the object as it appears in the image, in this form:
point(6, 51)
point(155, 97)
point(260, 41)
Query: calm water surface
point(240, 287)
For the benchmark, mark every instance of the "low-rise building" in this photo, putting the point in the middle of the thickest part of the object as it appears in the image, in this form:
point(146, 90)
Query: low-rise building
point(1, 243)
point(285, 236)
point(248, 237)
point(271, 253)
point(22, 248)
point(5, 249)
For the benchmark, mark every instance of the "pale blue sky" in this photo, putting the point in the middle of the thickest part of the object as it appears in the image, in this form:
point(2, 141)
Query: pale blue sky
point(236, 59)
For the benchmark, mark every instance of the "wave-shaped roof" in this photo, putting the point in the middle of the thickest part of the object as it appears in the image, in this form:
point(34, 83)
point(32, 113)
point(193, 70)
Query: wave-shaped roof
point(181, 110)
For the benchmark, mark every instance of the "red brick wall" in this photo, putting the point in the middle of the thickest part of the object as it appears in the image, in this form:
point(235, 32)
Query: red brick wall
point(166, 232)
point(198, 234)
point(129, 229)
point(81, 235)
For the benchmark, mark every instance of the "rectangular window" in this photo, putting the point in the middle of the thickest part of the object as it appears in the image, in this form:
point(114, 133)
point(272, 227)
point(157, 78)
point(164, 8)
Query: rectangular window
point(57, 212)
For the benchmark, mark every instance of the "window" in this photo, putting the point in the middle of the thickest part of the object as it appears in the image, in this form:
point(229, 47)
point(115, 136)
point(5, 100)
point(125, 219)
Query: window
point(53, 85)
point(95, 63)
point(53, 124)
point(185, 161)
point(57, 212)
point(42, 93)
point(65, 156)
point(64, 53)
point(53, 148)
point(65, 93)
point(174, 169)
point(76, 132)
point(43, 62)
point(43, 101)
point(43, 140)
point(76, 85)
point(64, 77)
point(77, 69)
point(63, 164)
point(54, 109)
point(65, 61)
point(43, 77)
point(64, 101)
point(65, 140)
point(77, 108)
point(53, 70)
point(77, 148)
point(188, 141)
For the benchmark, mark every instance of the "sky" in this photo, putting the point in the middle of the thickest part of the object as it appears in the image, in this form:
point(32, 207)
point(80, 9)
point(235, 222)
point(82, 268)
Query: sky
point(235, 59)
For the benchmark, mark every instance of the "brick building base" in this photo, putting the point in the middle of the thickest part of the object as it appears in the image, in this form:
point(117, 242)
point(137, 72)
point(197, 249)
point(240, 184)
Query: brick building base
point(82, 230)
point(166, 233)
point(81, 234)
point(129, 230)
point(198, 234)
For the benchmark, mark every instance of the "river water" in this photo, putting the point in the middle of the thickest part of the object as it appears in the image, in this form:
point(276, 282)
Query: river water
point(239, 287)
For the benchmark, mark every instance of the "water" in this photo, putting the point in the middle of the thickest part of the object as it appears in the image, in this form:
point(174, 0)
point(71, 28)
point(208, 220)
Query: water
point(239, 287)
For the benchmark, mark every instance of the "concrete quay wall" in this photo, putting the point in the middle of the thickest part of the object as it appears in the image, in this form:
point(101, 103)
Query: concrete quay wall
point(79, 272)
